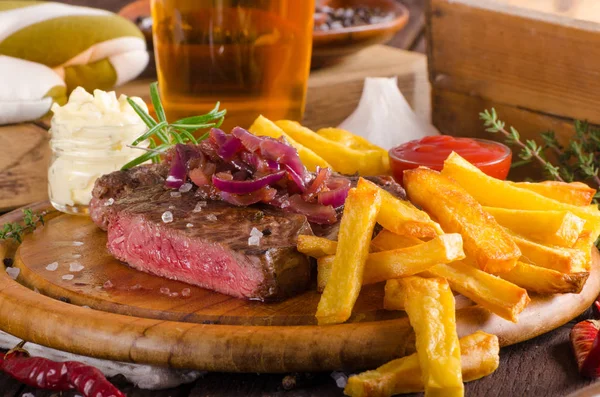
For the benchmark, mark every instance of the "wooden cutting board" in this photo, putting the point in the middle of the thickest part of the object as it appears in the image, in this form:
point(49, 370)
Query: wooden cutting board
point(133, 319)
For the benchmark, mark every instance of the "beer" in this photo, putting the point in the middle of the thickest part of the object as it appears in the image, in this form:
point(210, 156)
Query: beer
point(251, 55)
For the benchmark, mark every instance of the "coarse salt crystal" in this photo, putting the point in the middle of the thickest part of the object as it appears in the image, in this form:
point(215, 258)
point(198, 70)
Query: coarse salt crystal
point(189, 225)
point(211, 217)
point(174, 294)
point(165, 290)
point(109, 202)
point(199, 205)
point(341, 379)
point(86, 307)
point(77, 243)
point(76, 267)
point(13, 272)
point(107, 284)
point(256, 232)
point(175, 194)
point(52, 266)
point(136, 287)
point(172, 207)
point(254, 240)
point(167, 217)
point(119, 240)
point(68, 277)
point(186, 292)
point(186, 187)
point(27, 395)
point(76, 256)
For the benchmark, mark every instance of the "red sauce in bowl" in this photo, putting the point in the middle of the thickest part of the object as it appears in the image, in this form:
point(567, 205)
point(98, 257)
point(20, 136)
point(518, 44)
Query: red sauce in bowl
point(491, 157)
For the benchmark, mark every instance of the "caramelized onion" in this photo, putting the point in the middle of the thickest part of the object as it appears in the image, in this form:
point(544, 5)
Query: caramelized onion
point(337, 193)
point(245, 187)
point(244, 169)
point(317, 184)
point(263, 195)
point(316, 213)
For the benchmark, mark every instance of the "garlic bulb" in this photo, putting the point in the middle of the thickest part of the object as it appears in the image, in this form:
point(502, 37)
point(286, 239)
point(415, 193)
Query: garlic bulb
point(384, 117)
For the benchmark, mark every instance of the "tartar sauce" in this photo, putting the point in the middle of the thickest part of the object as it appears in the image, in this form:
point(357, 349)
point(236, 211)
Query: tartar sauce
point(89, 138)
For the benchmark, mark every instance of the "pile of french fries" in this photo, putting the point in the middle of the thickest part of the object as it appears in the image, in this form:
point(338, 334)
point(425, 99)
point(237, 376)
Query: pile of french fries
point(492, 241)
point(335, 148)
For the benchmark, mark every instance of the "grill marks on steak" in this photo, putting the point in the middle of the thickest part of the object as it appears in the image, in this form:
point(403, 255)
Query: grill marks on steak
point(212, 254)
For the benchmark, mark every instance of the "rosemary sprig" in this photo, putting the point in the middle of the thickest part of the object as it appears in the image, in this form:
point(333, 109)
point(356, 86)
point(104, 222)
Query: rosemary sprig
point(529, 149)
point(169, 134)
point(16, 230)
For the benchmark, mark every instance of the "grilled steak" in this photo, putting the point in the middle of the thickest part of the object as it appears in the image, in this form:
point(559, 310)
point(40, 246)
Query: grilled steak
point(207, 247)
point(164, 232)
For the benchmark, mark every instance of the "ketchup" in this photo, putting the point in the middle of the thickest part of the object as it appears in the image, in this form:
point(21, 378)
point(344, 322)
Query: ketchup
point(491, 157)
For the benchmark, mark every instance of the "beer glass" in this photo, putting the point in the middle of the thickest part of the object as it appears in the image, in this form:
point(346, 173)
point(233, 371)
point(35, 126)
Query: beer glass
point(253, 56)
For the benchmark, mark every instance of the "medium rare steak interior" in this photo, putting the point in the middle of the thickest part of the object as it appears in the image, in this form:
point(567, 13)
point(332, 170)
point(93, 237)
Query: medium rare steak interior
point(205, 245)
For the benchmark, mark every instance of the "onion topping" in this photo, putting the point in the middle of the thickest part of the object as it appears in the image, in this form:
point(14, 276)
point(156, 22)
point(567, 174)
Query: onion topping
point(243, 169)
point(245, 187)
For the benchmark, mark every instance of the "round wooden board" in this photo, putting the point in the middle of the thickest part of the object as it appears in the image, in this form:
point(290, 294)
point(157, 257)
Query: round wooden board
point(133, 320)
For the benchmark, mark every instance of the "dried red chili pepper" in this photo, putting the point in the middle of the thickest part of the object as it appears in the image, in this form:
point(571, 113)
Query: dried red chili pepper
point(57, 376)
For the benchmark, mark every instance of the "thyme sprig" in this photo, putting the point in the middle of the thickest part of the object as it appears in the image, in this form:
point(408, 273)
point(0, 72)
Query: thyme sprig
point(529, 149)
point(167, 134)
point(16, 230)
point(577, 161)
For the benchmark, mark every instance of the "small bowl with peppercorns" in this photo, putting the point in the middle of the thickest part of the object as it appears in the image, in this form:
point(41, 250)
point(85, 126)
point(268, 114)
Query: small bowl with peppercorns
point(344, 27)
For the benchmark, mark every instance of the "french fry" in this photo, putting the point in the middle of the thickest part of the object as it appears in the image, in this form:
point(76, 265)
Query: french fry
point(348, 139)
point(265, 127)
point(561, 228)
point(493, 192)
point(564, 260)
point(500, 297)
point(316, 246)
point(356, 229)
point(343, 159)
point(385, 265)
point(479, 357)
point(386, 241)
point(545, 281)
point(437, 344)
point(585, 243)
point(403, 218)
point(574, 193)
point(356, 142)
point(458, 212)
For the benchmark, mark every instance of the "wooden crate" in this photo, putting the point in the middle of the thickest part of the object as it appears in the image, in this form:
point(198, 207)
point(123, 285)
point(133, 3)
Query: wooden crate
point(536, 61)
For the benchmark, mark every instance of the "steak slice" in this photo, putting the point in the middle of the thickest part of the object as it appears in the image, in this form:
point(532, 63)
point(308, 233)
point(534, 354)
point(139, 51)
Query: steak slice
point(208, 248)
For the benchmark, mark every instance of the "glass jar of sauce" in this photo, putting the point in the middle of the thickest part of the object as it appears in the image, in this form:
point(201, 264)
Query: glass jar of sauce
point(89, 138)
point(491, 157)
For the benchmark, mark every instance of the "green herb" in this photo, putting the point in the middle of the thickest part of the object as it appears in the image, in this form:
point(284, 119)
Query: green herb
point(167, 134)
point(16, 230)
point(579, 161)
point(529, 150)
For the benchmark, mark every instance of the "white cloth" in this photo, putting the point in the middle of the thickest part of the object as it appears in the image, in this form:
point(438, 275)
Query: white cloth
point(143, 376)
point(22, 97)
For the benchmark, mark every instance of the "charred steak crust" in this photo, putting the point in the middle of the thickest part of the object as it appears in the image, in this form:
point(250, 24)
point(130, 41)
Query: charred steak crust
point(208, 248)
point(111, 186)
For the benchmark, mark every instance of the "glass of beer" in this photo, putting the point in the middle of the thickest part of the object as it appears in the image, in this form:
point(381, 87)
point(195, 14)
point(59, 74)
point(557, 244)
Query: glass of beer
point(253, 56)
